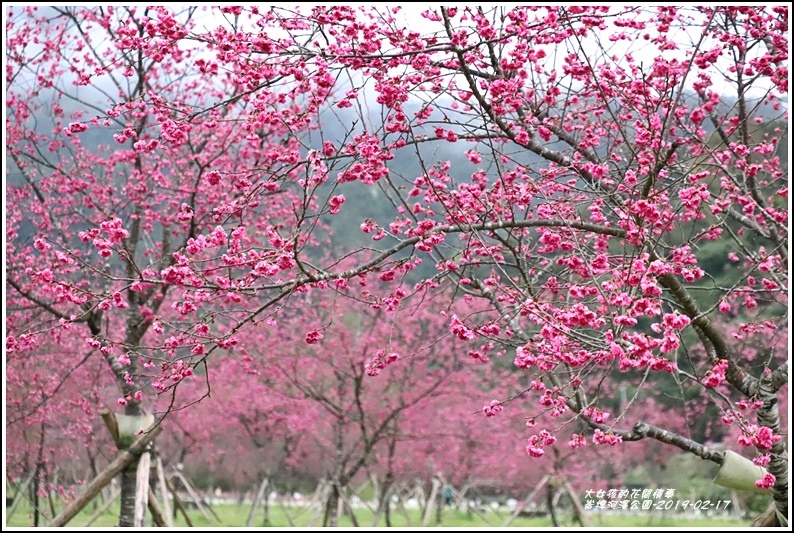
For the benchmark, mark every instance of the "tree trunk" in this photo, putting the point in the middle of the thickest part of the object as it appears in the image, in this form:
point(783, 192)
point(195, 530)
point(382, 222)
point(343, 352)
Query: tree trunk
point(331, 518)
point(383, 504)
point(94, 472)
point(769, 416)
point(34, 491)
point(266, 510)
point(768, 518)
point(129, 478)
point(39, 468)
point(347, 506)
point(47, 485)
point(439, 504)
point(550, 492)
point(128, 491)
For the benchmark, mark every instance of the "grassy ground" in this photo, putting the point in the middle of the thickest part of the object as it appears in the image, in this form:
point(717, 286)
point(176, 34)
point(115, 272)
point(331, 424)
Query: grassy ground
point(235, 516)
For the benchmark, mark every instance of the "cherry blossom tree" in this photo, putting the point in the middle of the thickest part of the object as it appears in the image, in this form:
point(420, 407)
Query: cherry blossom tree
point(88, 228)
point(245, 430)
point(360, 377)
point(621, 191)
point(52, 425)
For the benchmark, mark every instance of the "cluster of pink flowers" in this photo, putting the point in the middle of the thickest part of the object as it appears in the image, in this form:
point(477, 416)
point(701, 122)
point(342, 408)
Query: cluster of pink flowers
point(448, 135)
point(335, 203)
point(762, 460)
point(180, 275)
point(494, 407)
point(149, 145)
point(380, 361)
point(597, 415)
point(766, 482)
point(460, 329)
point(227, 343)
point(692, 198)
point(185, 213)
point(372, 168)
point(180, 370)
point(524, 359)
point(118, 301)
point(115, 235)
point(599, 437)
point(716, 375)
point(137, 395)
point(554, 399)
point(535, 443)
point(41, 245)
point(393, 300)
point(426, 245)
point(761, 437)
point(314, 336)
point(75, 127)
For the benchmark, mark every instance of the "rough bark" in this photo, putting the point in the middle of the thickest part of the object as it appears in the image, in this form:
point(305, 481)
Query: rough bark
point(158, 517)
point(769, 416)
point(331, 518)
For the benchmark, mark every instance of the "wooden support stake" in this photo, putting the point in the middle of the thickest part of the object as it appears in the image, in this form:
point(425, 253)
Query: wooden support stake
point(257, 499)
point(20, 495)
point(320, 499)
point(289, 518)
point(113, 426)
point(429, 506)
point(142, 489)
point(419, 494)
point(578, 509)
point(522, 504)
point(347, 506)
point(403, 491)
point(199, 501)
point(154, 508)
point(340, 502)
point(366, 503)
point(384, 500)
point(460, 496)
point(169, 518)
point(124, 458)
point(108, 502)
point(178, 504)
point(376, 488)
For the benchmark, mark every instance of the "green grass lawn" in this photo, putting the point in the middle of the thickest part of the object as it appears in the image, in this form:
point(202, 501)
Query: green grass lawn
point(235, 516)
